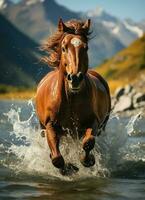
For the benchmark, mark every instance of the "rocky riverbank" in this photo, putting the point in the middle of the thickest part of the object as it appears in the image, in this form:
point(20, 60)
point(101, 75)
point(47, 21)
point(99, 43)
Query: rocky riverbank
point(130, 99)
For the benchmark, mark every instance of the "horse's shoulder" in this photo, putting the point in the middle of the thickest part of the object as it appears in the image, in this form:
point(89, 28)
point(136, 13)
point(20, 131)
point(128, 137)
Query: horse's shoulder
point(47, 78)
point(100, 78)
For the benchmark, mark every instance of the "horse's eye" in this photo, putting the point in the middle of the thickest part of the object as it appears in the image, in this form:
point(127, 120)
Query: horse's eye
point(63, 49)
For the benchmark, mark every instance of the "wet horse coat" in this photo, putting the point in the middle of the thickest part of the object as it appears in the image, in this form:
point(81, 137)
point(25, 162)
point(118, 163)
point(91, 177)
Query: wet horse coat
point(72, 97)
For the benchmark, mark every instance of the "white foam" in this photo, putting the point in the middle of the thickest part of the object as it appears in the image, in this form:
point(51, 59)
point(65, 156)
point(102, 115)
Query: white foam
point(131, 123)
point(33, 156)
point(32, 152)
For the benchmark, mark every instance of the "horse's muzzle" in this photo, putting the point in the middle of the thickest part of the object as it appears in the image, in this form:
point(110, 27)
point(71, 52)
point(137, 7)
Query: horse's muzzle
point(74, 81)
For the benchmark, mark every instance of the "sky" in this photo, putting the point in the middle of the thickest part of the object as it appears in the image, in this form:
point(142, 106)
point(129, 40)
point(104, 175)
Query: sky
point(134, 9)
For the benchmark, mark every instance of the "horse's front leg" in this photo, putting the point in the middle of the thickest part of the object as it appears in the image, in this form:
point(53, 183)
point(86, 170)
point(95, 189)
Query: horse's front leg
point(88, 159)
point(53, 141)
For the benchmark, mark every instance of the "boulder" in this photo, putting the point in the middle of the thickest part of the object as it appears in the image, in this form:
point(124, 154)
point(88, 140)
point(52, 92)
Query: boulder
point(113, 102)
point(119, 92)
point(124, 103)
point(139, 97)
point(139, 105)
point(128, 89)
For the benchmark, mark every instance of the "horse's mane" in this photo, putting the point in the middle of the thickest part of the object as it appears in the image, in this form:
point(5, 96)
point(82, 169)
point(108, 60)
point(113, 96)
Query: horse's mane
point(52, 46)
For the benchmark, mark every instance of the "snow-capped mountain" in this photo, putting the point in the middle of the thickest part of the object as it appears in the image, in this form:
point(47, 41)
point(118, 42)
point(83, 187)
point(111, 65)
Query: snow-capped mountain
point(125, 30)
point(4, 3)
point(30, 2)
point(38, 19)
point(142, 25)
point(134, 28)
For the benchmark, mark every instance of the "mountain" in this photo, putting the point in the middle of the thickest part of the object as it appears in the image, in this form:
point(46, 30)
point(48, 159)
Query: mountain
point(104, 45)
point(26, 24)
point(126, 66)
point(38, 19)
point(19, 57)
point(4, 4)
point(124, 30)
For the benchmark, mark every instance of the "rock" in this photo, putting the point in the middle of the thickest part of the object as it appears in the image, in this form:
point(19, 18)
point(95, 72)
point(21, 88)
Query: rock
point(139, 97)
point(128, 89)
point(132, 93)
point(113, 102)
point(124, 103)
point(119, 92)
point(139, 105)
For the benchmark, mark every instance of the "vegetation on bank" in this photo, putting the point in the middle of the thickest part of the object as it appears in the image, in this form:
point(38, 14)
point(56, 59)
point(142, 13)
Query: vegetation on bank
point(12, 92)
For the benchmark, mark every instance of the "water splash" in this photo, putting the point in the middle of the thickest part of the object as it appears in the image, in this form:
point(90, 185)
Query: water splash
point(131, 123)
point(30, 152)
point(27, 152)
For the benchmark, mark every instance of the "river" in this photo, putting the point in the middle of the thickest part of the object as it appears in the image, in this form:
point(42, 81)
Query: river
point(26, 171)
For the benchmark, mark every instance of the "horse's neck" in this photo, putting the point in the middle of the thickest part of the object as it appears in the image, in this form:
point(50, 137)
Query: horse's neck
point(60, 85)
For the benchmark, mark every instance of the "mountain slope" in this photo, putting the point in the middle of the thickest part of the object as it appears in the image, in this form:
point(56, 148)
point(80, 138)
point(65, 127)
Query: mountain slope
point(104, 45)
point(38, 19)
point(126, 66)
point(124, 30)
point(19, 57)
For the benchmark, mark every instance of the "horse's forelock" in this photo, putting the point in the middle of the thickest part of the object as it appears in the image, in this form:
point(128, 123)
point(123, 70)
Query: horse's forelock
point(77, 27)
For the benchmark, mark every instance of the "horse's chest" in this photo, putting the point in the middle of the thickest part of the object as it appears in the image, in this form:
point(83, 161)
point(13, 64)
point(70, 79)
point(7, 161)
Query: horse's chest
point(75, 114)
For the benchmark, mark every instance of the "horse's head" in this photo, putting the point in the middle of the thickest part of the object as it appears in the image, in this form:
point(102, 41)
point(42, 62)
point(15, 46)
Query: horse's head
point(67, 50)
point(74, 56)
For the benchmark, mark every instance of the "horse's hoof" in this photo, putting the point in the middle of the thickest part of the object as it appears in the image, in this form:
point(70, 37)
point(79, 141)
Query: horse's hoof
point(58, 162)
point(89, 144)
point(69, 169)
point(88, 161)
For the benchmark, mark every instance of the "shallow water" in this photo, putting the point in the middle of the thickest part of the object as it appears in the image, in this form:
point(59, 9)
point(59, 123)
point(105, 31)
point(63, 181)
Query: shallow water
point(26, 171)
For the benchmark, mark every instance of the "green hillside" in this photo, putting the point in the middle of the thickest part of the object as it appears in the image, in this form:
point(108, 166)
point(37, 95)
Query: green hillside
point(127, 66)
point(19, 58)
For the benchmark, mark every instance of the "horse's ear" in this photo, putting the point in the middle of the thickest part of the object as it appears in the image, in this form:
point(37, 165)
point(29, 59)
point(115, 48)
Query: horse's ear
point(87, 24)
point(61, 26)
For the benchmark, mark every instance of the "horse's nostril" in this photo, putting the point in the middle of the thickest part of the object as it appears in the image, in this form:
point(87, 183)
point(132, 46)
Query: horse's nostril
point(69, 77)
point(80, 76)
point(75, 78)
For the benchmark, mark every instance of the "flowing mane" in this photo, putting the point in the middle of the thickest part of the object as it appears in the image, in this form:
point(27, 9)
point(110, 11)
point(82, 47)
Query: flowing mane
point(52, 46)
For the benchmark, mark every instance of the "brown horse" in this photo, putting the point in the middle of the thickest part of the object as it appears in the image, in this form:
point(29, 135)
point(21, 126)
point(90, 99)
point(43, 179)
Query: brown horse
point(71, 95)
